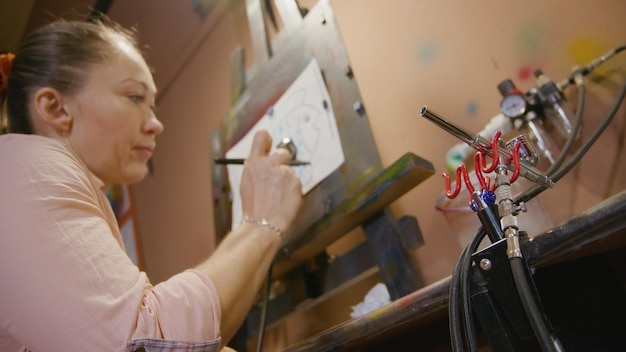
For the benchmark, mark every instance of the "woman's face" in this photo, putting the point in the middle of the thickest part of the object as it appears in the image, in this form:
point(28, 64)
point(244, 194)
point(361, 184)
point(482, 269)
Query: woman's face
point(113, 122)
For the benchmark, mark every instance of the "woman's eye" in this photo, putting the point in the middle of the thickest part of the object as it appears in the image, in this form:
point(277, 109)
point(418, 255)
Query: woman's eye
point(136, 98)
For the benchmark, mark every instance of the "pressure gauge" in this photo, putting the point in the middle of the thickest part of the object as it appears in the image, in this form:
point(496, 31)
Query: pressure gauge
point(513, 105)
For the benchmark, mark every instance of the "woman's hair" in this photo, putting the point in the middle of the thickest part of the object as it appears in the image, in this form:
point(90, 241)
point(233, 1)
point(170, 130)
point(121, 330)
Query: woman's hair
point(58, 55)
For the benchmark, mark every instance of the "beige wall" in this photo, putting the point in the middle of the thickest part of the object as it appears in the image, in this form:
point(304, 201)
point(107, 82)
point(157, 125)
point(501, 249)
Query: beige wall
point(449, 55)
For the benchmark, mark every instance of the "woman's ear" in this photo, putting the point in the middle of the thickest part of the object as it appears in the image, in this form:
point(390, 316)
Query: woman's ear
point(51, 111)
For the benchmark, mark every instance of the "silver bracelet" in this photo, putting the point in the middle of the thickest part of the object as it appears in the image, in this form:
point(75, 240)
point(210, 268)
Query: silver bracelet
point(264, 222)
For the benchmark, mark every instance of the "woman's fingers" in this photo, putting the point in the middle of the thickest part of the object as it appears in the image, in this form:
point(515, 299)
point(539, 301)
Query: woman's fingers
point(261, 144)
point(281, 156)
point(269, 188)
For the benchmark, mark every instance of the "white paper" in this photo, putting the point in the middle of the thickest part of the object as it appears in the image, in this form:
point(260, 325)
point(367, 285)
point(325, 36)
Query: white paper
point(378, 296)
point(304, 113)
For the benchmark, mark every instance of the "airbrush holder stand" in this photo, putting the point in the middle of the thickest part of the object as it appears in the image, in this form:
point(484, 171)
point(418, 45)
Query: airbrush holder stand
point(506, 300)
point(455, 209)
point(463, 221)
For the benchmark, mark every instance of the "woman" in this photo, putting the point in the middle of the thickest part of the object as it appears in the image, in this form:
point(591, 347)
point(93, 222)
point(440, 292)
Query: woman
point(80, 100)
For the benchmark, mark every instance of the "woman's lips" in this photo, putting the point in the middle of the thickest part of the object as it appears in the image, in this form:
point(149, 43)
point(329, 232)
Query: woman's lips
point(145, 152)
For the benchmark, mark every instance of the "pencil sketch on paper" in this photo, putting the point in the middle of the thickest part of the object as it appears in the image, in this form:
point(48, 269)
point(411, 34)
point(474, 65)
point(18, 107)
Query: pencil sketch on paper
point(304, 114)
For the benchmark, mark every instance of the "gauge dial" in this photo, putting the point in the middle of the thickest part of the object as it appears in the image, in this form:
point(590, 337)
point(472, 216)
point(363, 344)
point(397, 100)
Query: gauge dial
point(513, 105)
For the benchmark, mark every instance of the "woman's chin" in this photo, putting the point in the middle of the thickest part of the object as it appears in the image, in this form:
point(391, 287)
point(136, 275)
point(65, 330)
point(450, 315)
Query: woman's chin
point(135, 175)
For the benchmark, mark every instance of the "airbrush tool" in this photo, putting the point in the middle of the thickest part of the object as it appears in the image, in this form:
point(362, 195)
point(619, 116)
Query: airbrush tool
point(285, 143)
point(480, 143)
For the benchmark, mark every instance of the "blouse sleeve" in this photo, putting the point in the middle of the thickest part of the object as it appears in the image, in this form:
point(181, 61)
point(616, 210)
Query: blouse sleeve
point(67, 283)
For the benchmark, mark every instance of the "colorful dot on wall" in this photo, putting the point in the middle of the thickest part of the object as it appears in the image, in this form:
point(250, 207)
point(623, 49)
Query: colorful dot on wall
point(472, 109)
point(524, 73)
point(530, 37)
point(426, 53)
point(584, 50)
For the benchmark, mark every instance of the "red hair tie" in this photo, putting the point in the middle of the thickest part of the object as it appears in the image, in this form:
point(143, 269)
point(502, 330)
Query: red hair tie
point(6, 61)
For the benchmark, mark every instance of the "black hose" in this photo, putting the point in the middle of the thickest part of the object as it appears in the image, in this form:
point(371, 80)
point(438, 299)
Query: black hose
point(535, 191)
point(264, 309)
point(466, 275)
point(585, 70)
point(583, 150)
point(459, 295)
point(580, 107)
point(454, 314)
point(532, 311)
point(557, 175)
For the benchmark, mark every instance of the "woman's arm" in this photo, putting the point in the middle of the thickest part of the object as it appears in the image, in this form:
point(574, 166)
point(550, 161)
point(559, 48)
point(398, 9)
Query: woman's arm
point(271, 191)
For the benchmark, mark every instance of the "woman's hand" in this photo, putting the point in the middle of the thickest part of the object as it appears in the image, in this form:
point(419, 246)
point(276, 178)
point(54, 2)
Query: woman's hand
point(269, 188)
point(271, 191)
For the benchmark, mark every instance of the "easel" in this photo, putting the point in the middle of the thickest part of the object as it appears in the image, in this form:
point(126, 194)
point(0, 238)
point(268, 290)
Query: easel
point(358, 194)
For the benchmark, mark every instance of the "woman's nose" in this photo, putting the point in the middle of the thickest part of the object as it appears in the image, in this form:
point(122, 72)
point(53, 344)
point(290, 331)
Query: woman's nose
point(153, 126)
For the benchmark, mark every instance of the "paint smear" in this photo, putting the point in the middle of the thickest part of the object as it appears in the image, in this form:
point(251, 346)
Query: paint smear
point(472, 109)
point(524, 73)
point(426, 53)
point(530, 36)
point(584, 50)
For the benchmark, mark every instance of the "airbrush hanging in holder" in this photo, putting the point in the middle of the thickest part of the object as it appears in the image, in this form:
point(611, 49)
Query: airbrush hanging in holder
point(497, 208)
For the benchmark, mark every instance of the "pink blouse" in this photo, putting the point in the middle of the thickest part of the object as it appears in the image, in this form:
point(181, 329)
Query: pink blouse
point(66, 283)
